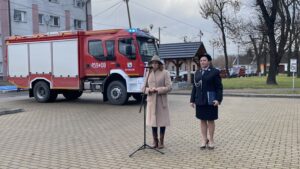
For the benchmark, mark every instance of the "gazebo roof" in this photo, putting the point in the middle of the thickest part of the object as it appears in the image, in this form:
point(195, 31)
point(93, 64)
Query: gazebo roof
point(181, 50)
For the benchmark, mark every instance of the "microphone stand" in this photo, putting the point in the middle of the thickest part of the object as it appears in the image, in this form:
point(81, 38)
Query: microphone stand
point(144, 104)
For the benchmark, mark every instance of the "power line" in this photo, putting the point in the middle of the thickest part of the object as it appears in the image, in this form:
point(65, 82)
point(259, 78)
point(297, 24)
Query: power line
point(166, 16)
point(102, 1)
point(98, 23)
point(102, 12)
point(113, 12)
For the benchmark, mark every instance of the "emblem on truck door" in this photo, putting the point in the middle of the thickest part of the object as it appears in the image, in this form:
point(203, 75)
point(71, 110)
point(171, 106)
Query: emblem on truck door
point(129, 64)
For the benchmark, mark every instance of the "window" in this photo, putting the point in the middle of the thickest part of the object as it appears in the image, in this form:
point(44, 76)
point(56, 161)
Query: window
point(54, 21)
point(96, 49)
point(173, 68)
point(78, 3)
point(41, 19)
point(19, 16)
point(194, 67)
point(147, 48)
point(110, 47)
point(77, 24)
point(54, 1)
point(127, 48)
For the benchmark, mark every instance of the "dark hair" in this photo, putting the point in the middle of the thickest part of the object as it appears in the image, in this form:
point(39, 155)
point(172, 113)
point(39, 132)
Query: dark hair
point(160, 65)
point(205, 55)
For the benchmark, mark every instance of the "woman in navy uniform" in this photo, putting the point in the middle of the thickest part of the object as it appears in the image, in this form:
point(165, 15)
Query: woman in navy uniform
point(206, 96)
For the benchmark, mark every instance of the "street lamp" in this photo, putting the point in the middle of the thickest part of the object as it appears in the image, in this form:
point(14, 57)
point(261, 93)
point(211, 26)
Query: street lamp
point(200, 34)
point(214, 43)
point(238, 56)
point(238, 53)
point(159, 29)
point(47, 20)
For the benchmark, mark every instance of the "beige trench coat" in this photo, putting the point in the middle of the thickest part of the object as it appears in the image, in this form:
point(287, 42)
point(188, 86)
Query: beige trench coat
point(157, 103)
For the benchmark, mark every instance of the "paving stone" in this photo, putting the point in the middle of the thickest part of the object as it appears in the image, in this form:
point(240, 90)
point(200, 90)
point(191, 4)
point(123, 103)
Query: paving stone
point(87, 133)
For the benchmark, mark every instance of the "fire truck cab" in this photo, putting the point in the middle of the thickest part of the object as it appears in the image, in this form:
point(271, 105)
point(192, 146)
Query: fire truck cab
point(69, 63)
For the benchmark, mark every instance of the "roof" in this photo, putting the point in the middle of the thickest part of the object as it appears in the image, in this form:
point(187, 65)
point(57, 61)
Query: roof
point(180, 50)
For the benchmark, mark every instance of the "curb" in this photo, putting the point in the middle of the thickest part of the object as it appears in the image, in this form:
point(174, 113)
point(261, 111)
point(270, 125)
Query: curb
point(10, 111)
point(297, 96)
point(250, 95)
point(10, 91)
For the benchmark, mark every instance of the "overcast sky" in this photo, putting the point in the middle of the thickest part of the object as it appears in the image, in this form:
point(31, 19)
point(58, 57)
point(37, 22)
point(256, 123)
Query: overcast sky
point(180, 17)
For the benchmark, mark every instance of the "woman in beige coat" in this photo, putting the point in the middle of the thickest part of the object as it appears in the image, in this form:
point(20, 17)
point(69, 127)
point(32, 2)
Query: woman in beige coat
point(157, 87)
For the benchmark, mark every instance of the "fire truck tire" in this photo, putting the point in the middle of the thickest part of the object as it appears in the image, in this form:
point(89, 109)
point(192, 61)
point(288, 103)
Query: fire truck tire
point(117, 93)
point(42, 92)
point(72, 95)
point(137, 97)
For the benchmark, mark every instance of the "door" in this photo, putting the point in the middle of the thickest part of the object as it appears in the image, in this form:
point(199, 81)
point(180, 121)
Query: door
point(95, 61)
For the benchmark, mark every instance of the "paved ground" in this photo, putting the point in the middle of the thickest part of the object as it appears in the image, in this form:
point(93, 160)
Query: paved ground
point(251, 133)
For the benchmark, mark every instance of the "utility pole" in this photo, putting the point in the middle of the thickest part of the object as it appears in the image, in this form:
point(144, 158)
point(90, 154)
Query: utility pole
point(128, 13)
point(87, 14)
point(9, 19)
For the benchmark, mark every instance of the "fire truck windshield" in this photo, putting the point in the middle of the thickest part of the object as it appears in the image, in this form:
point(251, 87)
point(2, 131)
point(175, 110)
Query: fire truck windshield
point(147, 48)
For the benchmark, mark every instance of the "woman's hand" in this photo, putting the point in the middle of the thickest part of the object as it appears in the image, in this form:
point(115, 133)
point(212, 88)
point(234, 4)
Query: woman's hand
point(152, 90)
point(192, 105)
point(216, 103)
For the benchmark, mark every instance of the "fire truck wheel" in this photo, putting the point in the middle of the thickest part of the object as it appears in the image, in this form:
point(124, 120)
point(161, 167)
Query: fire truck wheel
point(117, 93)
point(72, 95)
point(42, 92)
point(137, 97)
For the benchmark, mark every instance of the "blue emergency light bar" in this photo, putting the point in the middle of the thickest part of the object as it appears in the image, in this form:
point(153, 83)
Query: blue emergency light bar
point(132, 30)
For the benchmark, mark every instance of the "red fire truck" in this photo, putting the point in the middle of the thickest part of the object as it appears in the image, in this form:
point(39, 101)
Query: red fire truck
point(108, 61)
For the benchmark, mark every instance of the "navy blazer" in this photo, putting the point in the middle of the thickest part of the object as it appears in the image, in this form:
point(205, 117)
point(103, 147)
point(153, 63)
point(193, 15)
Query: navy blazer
point(211, 81)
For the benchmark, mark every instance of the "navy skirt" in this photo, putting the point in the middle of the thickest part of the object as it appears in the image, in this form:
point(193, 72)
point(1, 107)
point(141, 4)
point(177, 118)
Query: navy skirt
point(207, 112)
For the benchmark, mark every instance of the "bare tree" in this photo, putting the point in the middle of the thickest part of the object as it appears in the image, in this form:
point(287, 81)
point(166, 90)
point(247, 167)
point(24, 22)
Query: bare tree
point(274, 11)
point(297, 42)
point(216, 10)
point(293, 41)
point(254, 35)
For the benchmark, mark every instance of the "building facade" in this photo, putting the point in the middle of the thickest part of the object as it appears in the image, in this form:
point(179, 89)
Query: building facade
point(27, 17)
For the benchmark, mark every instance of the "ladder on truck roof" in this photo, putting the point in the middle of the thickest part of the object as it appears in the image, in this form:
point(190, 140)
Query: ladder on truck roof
point(63, 33)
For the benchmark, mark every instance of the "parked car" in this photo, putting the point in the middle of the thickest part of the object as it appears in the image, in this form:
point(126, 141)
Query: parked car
point(172, 75)
point(237, 72)
point(250, 72)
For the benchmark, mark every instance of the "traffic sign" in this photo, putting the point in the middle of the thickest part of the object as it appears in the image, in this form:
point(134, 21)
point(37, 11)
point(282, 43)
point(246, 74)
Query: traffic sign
point(293, 67)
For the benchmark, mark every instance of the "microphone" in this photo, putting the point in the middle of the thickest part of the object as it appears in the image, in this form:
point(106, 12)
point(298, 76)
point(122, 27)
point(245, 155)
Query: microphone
point(148, 67)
